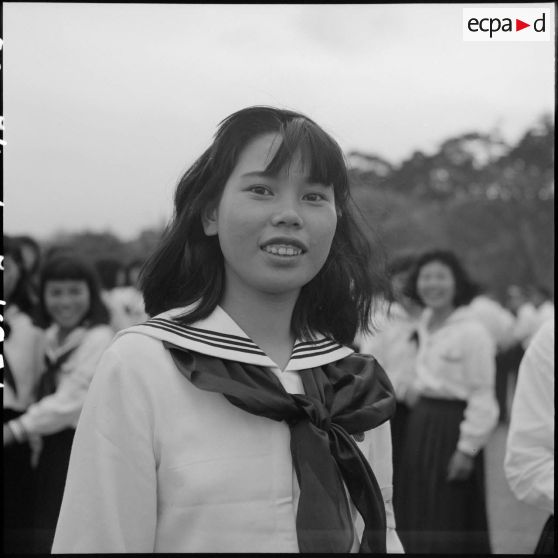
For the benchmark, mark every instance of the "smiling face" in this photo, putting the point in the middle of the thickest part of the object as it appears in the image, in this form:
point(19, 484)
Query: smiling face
point(67, 302)
point(436, 286)
point(275, 232)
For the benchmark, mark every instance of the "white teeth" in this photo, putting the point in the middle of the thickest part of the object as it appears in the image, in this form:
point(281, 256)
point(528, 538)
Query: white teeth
point(282, 250)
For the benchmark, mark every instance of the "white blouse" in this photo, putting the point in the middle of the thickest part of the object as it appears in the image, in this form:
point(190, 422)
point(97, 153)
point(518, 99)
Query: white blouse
point(61, 409)
point(24, 351)
point(159, 465)
point(457, 361)
point(529, 460)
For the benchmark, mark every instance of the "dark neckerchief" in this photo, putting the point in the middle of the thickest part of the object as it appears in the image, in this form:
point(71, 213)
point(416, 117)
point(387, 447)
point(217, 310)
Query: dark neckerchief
point(341, 398)
point(47, 382)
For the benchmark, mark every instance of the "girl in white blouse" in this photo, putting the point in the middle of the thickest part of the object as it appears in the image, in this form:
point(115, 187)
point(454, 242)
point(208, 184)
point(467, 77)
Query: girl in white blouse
point(529, 459)
point(22, 365)
point(453, 413)
point(76, 336)
point(237, 419)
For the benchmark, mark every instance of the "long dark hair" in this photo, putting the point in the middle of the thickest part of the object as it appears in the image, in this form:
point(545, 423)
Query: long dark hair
point(64, 266)
point(187, 267)
point(465, 288)
point(21, 295)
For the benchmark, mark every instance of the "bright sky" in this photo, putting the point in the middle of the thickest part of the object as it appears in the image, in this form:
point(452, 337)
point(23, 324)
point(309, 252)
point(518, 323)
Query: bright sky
point(105, 105)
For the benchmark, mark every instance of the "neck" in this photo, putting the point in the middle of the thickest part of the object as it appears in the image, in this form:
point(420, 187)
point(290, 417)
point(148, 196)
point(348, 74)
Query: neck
point(439, 316)
point(266, 319)
point(63, 334)
point(413, 309)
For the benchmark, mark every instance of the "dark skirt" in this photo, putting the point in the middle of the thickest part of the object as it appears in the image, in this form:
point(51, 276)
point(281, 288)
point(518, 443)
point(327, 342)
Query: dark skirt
point(19, 484)
point(436, 516)
point(51, 478)
point(546, 540)
point(398, 431)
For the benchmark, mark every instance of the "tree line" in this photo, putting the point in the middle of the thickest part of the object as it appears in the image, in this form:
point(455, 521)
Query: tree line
point(489, 201)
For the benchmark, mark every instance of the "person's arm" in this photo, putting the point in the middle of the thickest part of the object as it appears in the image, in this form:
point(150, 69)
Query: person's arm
point(110, 499)
point(481, 412)
point(380, 459)
point(529, 458)
point(61, 409)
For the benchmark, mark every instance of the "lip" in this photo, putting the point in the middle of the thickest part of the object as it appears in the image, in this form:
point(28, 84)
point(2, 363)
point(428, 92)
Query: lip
point(435, 295)
point(285, 240)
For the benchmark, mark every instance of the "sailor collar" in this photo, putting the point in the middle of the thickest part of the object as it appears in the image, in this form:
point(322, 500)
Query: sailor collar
point(220, 336)
point(54, 350)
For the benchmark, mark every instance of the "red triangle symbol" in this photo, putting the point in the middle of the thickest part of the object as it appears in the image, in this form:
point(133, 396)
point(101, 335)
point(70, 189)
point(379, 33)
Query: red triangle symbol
point(519, 25)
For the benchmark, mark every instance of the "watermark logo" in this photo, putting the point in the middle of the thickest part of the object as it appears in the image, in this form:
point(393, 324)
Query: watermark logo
point(507, 24)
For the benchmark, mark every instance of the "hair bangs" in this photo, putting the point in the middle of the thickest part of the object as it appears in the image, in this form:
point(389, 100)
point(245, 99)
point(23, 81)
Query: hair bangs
point(66, 269)
point(321, 158)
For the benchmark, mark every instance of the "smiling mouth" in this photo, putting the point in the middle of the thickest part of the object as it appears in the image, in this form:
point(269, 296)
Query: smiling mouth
point(284, 250)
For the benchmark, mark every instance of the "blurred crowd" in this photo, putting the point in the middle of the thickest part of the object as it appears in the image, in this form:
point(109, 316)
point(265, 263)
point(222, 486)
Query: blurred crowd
point(61, 313)
point(451, 350)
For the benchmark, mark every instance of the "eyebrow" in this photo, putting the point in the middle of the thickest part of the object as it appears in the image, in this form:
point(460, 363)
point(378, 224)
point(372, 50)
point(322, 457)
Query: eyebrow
point(259, 173)
point(268, 174)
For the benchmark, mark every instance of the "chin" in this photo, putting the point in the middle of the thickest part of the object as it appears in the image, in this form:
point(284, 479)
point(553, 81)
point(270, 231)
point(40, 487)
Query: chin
point(275, 287)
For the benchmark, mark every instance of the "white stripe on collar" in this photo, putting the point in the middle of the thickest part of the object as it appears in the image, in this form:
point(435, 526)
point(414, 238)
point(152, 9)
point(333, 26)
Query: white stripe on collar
point(220, 336)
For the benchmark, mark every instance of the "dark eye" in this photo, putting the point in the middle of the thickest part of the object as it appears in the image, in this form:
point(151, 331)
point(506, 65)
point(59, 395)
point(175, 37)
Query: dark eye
point(260, 190)
point(315, 197)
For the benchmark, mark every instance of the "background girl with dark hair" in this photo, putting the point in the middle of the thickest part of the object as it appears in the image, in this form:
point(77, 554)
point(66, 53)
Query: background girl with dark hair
point(441, 497)
point(31, 255)
point(236, 420)
point(22, 354)
point(76, 335)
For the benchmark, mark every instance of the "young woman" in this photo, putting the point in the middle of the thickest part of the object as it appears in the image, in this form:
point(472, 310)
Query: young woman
point(236, 420)
point(453, 413)
point(529, 458)
point(22, 365)
point(75, 339)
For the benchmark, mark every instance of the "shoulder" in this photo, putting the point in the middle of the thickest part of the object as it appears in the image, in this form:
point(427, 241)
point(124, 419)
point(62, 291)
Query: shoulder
point(542, 344)
point(130, 363)
point(467, 323)
point(363, 367)
point(545, 334)
point(139, 364)
point(18, 318)
point(140, 356)
point(357, 362)
point(363, 375)
point(130, 345)
point(98, 335)
point(22, 323)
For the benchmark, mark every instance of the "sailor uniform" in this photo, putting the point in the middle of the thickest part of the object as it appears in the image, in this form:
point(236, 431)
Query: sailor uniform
point(62, 391)
point(23, 349)
point(159, 465)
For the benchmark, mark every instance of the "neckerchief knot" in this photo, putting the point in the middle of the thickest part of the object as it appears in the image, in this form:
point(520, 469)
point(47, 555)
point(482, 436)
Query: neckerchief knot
point(341, 398)
point(312, 410)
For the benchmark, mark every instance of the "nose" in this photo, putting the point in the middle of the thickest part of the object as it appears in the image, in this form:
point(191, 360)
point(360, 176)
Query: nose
point(65, 301)
point(287, 215)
